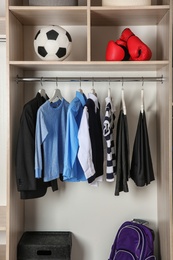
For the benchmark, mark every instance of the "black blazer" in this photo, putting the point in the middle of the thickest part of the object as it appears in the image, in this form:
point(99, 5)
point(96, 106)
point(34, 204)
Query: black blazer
point(25, 175)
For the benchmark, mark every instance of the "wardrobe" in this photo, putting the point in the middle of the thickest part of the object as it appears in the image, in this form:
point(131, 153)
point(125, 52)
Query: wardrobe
point(93, 215)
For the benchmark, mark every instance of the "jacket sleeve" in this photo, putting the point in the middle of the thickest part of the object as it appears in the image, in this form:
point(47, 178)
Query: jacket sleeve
point(25, 152)
point(40, 135)
point(71, 146)
point(85, 150)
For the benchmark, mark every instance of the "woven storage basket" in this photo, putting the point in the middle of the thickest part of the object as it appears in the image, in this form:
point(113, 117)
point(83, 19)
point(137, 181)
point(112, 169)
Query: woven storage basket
point(125, 2)
point(53, 2)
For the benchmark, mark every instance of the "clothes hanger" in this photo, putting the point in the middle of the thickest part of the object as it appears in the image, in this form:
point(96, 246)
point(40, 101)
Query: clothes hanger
point(56, 95)
point(93, 89)
point(142, 97)
point(42, 91)
point(123, 101)
point(109, 92)
point(142, 101)
point(122, 98)
point(80, 90)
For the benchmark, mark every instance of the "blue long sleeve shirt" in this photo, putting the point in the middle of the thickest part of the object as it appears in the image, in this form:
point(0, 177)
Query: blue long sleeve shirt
point(72, 169)
point(50, 139)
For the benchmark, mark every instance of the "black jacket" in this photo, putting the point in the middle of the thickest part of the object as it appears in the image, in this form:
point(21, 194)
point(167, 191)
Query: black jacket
point(96, 136)
point(25, 175)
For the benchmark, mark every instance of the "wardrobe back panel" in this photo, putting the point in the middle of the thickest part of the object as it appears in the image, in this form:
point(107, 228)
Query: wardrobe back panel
point(94, 214)
point(153, 2)
point(162, 36)
point(15, 2)
point(78, 34)
point(15, 36)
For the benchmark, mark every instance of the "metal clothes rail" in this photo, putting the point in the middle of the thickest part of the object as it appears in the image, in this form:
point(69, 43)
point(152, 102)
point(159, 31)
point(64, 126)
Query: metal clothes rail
point(90, 79)
point(2, 39)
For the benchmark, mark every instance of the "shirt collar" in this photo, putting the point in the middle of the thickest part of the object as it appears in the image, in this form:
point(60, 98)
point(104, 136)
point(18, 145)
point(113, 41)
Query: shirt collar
point(40, 99)
point(81, 97)
point(95, 99)
point(109, 100)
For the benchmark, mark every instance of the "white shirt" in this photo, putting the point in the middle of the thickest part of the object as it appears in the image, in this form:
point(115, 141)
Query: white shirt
point(85, 149)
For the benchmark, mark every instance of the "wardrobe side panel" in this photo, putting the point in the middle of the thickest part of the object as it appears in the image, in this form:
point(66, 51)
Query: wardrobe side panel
point(15, 39)
point(164, 173)
point(163, 34)
point(165, 141)
point(15, 213)
point(3, 124)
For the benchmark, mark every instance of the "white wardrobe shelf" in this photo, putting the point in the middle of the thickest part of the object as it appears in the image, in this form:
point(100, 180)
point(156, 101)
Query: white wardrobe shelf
point(149, 15)
point(50, 15)
point(90, 66)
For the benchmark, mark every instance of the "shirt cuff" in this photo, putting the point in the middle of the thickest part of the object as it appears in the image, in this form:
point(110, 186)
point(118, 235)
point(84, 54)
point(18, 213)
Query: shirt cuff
point(38, 173)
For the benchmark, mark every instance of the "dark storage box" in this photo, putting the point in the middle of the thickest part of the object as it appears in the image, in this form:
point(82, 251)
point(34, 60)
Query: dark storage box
point(44, 246)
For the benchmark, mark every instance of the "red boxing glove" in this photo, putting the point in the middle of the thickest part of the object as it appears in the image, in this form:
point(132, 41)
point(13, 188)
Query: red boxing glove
point(117, 51)
point(138, 50)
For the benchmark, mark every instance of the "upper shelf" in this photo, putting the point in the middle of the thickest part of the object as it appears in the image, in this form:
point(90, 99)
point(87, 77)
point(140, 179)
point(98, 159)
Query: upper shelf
point(148, 15)
point(50, 15)
point(90, 66)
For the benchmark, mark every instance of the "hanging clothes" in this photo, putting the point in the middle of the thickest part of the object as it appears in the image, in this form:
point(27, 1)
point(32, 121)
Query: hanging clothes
point(72, 169)
point(108, 128)
point(122, 151)
point(50, 139)
point(90, 137)
point(141, 166)
point(27, 185)
point(85, 150)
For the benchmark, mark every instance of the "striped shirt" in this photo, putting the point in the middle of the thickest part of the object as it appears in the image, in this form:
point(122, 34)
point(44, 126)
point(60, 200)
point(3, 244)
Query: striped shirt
point(108, 128)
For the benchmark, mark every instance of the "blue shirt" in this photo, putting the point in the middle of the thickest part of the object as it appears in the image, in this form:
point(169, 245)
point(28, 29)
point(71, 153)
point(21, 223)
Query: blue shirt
point(50, 136)
point(72, 169)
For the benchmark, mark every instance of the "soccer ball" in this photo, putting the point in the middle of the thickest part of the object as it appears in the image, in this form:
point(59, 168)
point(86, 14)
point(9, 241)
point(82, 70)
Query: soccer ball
point(52, 43)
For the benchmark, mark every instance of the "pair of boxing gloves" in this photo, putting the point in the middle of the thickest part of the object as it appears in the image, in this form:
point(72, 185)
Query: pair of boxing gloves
point(128, 47)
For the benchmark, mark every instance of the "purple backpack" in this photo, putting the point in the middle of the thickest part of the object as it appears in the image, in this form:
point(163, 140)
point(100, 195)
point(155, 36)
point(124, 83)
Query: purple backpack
point(133, 241)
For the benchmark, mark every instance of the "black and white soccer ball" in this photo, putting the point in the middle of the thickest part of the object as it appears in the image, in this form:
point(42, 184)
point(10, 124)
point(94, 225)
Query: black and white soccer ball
point(53, 43)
